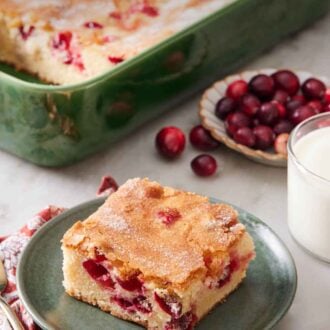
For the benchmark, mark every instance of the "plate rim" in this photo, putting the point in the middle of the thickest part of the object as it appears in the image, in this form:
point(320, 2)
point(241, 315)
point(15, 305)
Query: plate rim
point(37, 317)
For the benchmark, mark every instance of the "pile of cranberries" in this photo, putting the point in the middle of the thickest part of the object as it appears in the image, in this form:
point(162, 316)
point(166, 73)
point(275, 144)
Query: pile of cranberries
point(170, 143)
point(261, 113)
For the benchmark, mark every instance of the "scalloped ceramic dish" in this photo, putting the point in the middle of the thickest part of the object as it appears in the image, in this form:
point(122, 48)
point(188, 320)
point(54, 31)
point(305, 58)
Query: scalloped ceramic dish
point(262, 299)
point(217, 128)
point(58, 125)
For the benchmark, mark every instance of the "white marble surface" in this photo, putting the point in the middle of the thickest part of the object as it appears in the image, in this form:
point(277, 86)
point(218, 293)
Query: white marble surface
point(25, 188)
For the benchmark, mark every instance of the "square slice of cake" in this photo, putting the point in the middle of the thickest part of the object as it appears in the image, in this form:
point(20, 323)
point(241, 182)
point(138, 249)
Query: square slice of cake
point(156, 256)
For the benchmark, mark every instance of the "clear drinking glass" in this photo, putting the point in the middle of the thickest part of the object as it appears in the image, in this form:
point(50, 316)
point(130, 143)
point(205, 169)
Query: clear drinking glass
point(309, 185)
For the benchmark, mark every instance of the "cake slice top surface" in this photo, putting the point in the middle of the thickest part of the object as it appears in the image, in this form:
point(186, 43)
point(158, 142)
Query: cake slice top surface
point(160, 231)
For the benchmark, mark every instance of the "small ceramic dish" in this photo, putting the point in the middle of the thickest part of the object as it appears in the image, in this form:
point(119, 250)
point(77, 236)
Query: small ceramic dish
point(217, 128)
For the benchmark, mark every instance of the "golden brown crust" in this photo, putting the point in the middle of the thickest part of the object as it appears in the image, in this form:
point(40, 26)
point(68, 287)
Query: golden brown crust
point(130, 230)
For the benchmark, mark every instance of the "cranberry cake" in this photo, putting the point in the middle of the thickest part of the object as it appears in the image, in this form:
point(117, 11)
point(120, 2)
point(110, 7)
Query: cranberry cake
point(69, 41)
point(156, 256)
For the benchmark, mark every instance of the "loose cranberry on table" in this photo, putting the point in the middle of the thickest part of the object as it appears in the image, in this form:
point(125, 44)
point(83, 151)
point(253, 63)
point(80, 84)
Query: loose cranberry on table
point(236, 120)
point(262, 86)
point(268, 113)
point(237, 89)
point(245, 137)
point(249, 104)
point(287, 81)
point(313, 88)
point(301, 113)
point(202, 139)
point(204, 165)
point(224, 107)
point(281, 143)
point(170, 141)
point(264, 137)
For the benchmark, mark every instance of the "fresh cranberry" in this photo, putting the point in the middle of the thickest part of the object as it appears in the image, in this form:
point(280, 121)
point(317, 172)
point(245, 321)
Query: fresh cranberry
point(287, 81)
point(255, 122)
point(249, 104)
point(170, 141)
point(99, 273)
point(313, 88)
point(283, 126)
point(299, 97)
point(132, 284)
point(93, 25)
point(245, 137)
point(292, 105)
point(264, 136)
point(316, 105)
point(142, 305)
point(236, 120)
point(204, 165)
point(115, 59)
point(280, 144)
point(281, 96)
point(327, 96)
point(169, 216)
point(224, 107)
point(262, 86)
point(281, 109)
point(301, 113)
point(326, 108)
point(268, 113)
point(169, 305)
point(25, 31)
point(237, 89)
point(202, 139)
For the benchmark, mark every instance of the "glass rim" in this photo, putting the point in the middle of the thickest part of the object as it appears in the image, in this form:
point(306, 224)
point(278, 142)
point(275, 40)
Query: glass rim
point(290, 145)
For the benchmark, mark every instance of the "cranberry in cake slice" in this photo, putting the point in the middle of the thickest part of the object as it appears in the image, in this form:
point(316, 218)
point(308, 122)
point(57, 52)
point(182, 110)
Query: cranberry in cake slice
point(156, 256)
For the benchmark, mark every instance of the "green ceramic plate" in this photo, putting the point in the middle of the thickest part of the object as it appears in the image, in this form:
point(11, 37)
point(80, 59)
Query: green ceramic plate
point(259, 303)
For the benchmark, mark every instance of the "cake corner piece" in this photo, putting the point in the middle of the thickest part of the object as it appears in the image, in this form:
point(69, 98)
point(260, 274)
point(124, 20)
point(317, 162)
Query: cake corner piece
point(157, 256)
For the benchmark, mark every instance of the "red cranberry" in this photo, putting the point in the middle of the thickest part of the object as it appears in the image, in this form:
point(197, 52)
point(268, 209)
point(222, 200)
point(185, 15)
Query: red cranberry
point(142, 305)
point(204, 165)
point(169, 216)
point(62, 40)
point(249, 104)
point(236, 120)
point(281, 109)
point(184, 322)
point(287, 81)
point(281, 96)
point(132, 284)
point(93, 25)
point(169, 305)
point(327, 96)
point(268, 113)
point(264, 137)
point(149, 11)
point(262, 86)
point(237, 89)
point(301, 113)
point(115, 59)
point(255, 122)
point(299, 97)
point(245, 137)
point(326, 108)
point(108, 183)
point(283, 126)
point(123, 303)
point(224, 107)
point(202, 139)
point(170, 141)
point(316, 105)
point(292, 105)
point(313, 88)
point(25, 31)
point(280, 144)
point(99, 273)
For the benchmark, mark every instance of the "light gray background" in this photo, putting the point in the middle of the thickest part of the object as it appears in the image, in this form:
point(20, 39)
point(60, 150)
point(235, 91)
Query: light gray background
point(261, 190)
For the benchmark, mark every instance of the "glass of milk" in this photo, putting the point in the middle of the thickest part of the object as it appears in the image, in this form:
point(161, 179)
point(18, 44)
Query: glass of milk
point(309, 185)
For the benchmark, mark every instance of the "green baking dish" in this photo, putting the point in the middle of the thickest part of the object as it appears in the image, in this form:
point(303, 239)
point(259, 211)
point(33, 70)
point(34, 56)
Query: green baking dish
point(58, 125)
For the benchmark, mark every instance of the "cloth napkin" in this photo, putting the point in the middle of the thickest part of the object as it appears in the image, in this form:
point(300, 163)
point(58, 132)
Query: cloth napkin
point(12, 246)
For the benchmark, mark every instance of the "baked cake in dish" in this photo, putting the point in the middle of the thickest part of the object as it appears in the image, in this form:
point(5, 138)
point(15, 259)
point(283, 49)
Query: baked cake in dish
point(156, 256)
point(68, 41)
